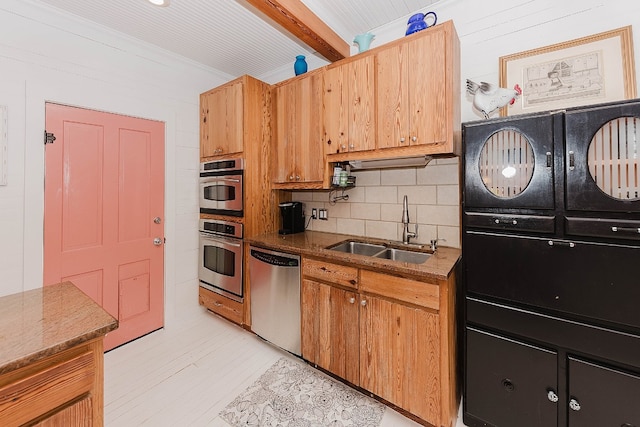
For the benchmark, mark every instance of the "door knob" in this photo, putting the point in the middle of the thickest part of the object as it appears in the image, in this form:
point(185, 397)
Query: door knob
point(157, 220)
point(157, 241)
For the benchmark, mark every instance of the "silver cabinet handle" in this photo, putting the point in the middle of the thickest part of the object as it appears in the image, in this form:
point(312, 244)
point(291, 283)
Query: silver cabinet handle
point(562, 244)
point(352, 300)
point(414, 138)
point(549, 159)
point(625, 229)
point(157, 241)
point(157, 220)
point(402, 140)
point(363, 302)
point(552, 396)
point(574, 405)
point(506, 221)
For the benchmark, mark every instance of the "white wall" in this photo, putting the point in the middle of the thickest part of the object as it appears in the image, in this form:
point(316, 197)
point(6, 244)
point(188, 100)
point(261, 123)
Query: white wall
point(46, 56)
point(487, 30)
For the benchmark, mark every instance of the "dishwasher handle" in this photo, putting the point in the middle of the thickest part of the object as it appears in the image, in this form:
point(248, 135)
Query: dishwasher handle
point(279, 260)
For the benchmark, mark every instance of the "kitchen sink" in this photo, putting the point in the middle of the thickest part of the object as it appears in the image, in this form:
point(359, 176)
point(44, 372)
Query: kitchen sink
point(404, 256)
point(380, 251)
point(358, 248)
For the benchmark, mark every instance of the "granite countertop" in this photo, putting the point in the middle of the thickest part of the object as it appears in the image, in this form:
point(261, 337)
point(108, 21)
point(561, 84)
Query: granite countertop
point(39, 323)
point(315, 243)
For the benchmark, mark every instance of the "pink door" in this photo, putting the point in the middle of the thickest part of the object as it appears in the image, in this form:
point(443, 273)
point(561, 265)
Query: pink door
point(104, 211)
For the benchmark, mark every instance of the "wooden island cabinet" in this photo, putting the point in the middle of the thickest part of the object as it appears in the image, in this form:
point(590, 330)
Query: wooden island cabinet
point(392, 336)
point(51, 358)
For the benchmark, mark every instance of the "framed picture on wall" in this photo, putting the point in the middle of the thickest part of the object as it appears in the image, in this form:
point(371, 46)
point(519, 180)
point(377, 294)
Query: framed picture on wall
point(590, 70)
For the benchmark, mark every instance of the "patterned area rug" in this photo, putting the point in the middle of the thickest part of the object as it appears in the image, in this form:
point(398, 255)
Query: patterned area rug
point(291, 394)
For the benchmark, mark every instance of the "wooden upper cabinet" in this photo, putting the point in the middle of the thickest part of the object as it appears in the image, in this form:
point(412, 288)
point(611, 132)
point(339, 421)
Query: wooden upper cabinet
point(415, 93)
point(299, 157)
point(221, 120)
point(349, 94)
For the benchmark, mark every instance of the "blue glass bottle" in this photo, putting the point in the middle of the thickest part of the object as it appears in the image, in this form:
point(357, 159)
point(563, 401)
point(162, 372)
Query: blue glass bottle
point(300, 66)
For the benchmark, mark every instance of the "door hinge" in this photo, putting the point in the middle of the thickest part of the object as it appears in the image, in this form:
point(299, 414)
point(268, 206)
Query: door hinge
point(49, 137)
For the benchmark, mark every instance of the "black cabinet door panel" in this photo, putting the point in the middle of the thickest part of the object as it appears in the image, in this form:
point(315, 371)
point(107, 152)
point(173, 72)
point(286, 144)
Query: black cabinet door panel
point(589, 281)
point(538, 131)
point(614, 158)
point(600, 396)
point(507, 382)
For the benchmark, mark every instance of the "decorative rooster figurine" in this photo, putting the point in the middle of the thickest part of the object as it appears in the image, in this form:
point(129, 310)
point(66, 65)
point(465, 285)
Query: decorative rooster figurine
point(488, 98)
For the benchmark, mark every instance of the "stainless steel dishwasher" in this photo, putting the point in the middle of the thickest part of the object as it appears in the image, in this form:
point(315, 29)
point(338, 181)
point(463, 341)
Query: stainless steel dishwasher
point(275, 297)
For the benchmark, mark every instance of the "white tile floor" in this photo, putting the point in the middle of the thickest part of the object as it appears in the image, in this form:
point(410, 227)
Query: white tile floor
point(186, 374)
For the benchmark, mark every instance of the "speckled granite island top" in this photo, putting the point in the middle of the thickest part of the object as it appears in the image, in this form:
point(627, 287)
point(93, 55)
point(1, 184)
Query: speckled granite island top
point(314, 243)
point(42, 322)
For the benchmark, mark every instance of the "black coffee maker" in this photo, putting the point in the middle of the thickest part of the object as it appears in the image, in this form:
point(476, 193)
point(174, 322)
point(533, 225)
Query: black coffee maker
point(292, 217)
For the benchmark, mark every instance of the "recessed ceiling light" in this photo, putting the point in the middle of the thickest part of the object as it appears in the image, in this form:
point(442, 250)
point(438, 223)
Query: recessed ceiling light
point(159, 2)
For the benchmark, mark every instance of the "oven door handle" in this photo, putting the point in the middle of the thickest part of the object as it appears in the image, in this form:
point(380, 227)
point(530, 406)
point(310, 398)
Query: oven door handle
point(222, 239)
point(221, 179)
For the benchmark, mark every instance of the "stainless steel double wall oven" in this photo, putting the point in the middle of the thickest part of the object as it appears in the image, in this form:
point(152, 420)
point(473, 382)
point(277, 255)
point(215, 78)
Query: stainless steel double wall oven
point(221, 246)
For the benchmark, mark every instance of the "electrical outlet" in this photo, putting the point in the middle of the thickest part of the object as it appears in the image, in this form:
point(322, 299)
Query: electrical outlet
point(323, 214)
point(314, 213)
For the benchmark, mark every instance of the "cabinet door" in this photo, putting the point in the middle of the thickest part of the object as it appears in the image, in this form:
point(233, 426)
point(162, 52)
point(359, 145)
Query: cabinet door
point(222, 121)
point(309, 153)
point(599, 396)
point(285, 133)
point(360, 80)
point(428, 89)
point(298, 131)
point(399, 356)
point(349, 107)
point(507, 382)
point(576, 279)
point(336, 110)
point(330, 329)
point(602, 164)
point(392, 118)
point(509, 163)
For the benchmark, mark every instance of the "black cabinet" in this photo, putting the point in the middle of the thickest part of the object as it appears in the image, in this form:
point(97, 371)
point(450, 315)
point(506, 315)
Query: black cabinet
point(550, 250)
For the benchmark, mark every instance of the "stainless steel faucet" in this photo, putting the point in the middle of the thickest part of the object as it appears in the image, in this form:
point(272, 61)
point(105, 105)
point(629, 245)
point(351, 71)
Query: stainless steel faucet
point(406, 234)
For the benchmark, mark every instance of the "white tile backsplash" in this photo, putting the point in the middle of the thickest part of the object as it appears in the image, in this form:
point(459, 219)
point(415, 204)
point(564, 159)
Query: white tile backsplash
point(374, 207)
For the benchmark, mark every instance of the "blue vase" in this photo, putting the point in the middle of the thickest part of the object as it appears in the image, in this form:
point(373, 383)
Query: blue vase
point(300, 66)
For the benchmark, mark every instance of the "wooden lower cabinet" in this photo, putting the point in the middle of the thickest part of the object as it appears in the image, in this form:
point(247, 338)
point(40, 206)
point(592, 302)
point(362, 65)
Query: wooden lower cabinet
point(62, 390)
point(400, 356)
point(330, 333)
point(375, 334)
point(221, 305)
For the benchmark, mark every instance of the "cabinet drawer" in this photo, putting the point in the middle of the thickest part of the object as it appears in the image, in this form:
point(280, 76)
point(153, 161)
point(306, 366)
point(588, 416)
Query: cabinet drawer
point(399, 288)
point(608, 228)
point(225, 307)
point(523, 223)
point(334, 273)
point(34, 391)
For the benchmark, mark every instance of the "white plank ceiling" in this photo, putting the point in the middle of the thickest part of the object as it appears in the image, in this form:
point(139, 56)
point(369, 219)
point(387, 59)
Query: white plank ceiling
point(229, 35)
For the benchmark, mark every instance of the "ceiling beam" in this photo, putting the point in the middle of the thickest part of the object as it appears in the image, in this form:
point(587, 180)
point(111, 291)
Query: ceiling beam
point(300, 21)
